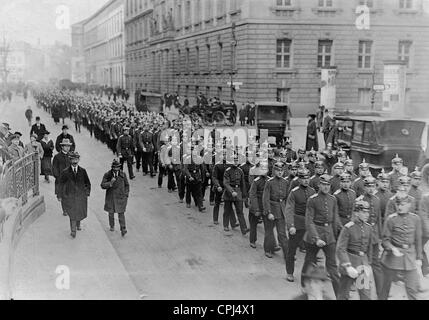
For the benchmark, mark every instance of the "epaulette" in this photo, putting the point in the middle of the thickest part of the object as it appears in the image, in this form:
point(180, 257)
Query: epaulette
point(294, 179)
point(349, 224)
point(337, 192)
point(313, 177)
point(270, 178)
point(257, 179)
point(392, 215)
point(314, 196)
point(294, 189)
point(350, 189)
point(227, 169)
point(356, 179)
point(392, 198)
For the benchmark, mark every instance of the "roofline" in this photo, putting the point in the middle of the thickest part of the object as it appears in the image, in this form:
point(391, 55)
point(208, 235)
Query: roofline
point(101, 10)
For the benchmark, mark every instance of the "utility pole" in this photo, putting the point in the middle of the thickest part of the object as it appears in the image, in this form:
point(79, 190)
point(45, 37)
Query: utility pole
point(233, 48)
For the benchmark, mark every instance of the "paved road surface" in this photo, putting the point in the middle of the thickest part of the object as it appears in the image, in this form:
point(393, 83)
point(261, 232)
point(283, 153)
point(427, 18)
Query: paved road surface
point(170, 252)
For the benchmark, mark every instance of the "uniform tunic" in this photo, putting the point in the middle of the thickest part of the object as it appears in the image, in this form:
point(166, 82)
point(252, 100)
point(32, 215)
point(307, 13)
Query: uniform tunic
point(345, 201)
point(384, 196)
point(233, 180)
point(275, 195)
point(394, 180)
point(314, 182)
point(296, 207)
point(358, 187)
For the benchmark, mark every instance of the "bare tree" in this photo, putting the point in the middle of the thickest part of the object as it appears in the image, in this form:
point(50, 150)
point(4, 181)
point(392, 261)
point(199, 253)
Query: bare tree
point(4, 54)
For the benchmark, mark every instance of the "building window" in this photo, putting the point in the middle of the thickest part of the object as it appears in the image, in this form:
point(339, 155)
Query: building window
point(187, 91)
point(197, 13)
point(208, 58)
point(178, 62)
point(178, 90)
point(283, 95)
point(283, 53)
point(197, 90)
point(368, 3)
point(207, 92)
point(208, 10)
point(187, 13)
point(179, 15)
point(221, 7)
point(364, 96)
point(197, 59)
point(187, 62)
point(364, 60)
point(404, 50)
point(325, 3)
point(405, 4)
point(284, 3)
point(324, 56)
point(219, 92)
point(220, 57)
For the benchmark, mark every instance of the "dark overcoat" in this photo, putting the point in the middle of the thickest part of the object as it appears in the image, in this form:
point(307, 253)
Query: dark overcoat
point(74, 192)
point(116, 193)
point(59, 164)
point(312, 139)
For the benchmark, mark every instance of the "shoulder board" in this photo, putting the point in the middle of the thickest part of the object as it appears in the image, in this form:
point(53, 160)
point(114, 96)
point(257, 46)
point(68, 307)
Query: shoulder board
point(121, 136)
point(257, 179)
point(243, 164)
point(392, 215)
point(295, 179)
point(228, 169)
point(352, 190)
point(356, 179)
point(313, 177)
point(392, 198)
point(413, 214)
point(314, 196)
point(295, 189)
point(337, 192)
point(285, 179)
point(270, 179)
point(349, 224)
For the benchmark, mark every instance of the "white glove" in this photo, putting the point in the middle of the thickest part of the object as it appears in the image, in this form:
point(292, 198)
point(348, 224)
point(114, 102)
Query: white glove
point(271, 217)
point(352, 272)
point(292, 231)
point(396, 252)
point(320, 243)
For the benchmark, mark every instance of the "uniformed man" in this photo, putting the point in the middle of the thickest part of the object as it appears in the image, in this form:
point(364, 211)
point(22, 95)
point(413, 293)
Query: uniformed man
point(358, 184)
point(125, 149)
point(337, 170)
point(345, 198)
point(146, 143)
point(194, 176)
point(322, 225)
point(235, 193)
point(342, 156)
point(424, 216)
point(217, 180)
point(301, 156)
point(402, 190)
point(61, 162)
point(290, 153)
point(375, 220)
point(274, 199)
point(415, 191)
point(397, 165)
point(295, 218)
point(319, 168)
point(402, 242)
point(354, 253)
point(349, 168)
point(292, 178)
point(383, 192)
point(256, 204)
point(312, 158)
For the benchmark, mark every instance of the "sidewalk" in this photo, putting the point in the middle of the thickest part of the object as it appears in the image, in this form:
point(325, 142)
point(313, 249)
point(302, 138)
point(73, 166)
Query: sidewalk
point(95, 269)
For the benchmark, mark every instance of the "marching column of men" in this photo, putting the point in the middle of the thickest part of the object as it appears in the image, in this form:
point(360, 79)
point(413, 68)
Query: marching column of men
point(366, 227)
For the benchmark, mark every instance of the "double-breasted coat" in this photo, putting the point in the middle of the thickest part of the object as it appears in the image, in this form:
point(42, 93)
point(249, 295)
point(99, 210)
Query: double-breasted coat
point(59, 164)
point(116, 193)
point(74, 191)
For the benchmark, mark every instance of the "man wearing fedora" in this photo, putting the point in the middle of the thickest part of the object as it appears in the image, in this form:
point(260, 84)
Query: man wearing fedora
point(74, 190)
point(62, 136)
point(117, 190)
point(59, 164)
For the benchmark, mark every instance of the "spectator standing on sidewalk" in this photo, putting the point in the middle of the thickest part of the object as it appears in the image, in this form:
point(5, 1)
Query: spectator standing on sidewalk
point(29, 115)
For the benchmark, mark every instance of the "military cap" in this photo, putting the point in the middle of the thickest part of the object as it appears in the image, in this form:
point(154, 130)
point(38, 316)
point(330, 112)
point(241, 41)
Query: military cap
point(303, 173)
point(288, 141)
point(294, 165)
point(302, 151)
point(338, 165)
point(383, 176)
point(404, 180)
point(416, 174)
point(126, 128)
point(369, 181)
point(397, 160)
point(74, 155)
point(361, 205)
point(312, 152)
point(345, 177)
point(364, 165)
point(17, 133)
point(14, 137)
point(66, 142)
point(278, 166)
point(65, 127)
point(325, 179)
point(402, 199)
point(116, 163)
point(348, 162)
point(341, 153)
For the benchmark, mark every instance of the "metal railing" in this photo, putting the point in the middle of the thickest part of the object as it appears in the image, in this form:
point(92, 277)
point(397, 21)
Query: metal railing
point(20, 177)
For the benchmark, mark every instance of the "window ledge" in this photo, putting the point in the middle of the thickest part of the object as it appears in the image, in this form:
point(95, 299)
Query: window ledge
point(284, 8)
point(220, 17)
point(286, 70)
point(208, 20)
point(365, 71)
point(371, 10)
point(197, 24)
point(196, 72)
point(188, 27)
point(218, 72)
point(406, 11)
point(205, 72)
point(234, 12)
point(327, 9)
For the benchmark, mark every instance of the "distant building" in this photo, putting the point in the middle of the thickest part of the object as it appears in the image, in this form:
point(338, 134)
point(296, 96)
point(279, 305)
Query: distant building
point(103, 45)
point(281, 45)
point(25, 62)
point(78, 57)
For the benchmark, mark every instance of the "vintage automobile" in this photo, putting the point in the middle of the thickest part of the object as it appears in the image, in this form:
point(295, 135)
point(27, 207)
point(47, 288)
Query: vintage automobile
point(222, 114)
point(272, 116)
point(149, 101)
point(377, 139)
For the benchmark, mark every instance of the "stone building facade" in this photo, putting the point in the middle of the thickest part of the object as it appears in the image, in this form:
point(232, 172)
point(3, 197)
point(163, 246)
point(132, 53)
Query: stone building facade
point(276, 49)
point(103, 46)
